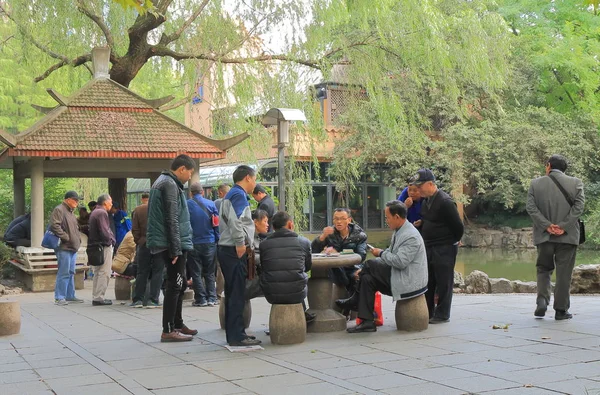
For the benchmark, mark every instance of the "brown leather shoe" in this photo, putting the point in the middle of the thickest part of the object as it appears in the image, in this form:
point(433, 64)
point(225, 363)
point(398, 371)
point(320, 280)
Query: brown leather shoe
point(187, 331)
point(174, 337)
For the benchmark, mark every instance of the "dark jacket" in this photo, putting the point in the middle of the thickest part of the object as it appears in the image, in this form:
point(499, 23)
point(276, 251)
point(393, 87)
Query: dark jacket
point(285, 258)
point(17, 221)
point(139, 223)
point(168, 217)
point(64, 224)
point(441, 222)
point(100, 232)
point(267, 204)
point(202, 226)
point(19, 232)
point(356, 241)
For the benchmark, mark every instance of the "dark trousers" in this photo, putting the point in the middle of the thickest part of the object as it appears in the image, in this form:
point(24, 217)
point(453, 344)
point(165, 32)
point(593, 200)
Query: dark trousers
point(201, 262)
point(148, 268)
point(344, 277)
point(374, 276)
point(440, 264)
point(234, 271)
point(175, 286)
point(562, 257)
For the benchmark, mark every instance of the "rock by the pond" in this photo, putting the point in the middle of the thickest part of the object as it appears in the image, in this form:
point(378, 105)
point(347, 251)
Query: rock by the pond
point(525, 287)
point(477, 282)
point(2, 288)
point(459, 281)
point(500, 286)
point(586, 279)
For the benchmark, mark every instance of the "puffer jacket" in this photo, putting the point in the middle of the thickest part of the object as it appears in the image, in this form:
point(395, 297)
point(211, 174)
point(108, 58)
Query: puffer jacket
point(168, 217)
point(285, 258)
point(125, 254)
point(356, 241)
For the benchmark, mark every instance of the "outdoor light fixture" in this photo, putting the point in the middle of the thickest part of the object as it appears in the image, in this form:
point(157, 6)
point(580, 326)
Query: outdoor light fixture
point(100, 62)
point(282, 118)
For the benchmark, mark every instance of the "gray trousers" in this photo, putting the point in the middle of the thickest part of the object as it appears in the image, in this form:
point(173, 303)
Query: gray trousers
point(561, 257)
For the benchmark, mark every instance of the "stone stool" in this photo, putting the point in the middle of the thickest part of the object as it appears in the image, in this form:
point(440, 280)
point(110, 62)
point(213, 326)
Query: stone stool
point(10, 317)
point(412, 314)
point(122, 287)
point(188, 294)
point(287, 324)
point(247, 313)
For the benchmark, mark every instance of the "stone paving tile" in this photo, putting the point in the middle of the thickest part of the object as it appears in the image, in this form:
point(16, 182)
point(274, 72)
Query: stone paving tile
point(327, 363)
point(242, 368)
point(13, 367)
point(536, 361)
point(577, 386)
point(61, 371)
point(212, 356)
point(171, 376)
point(587, 342)
point(18, 376)
point(479, 384)
point(349, 372)
point(29, 387)
point(49, 363)
point(380, 356)
point(524, 391)
point(490, 367)
point(65, 353)
point(579, 370)
point(406, 365)
point(11, 360)
point(351, 351)
point(389, 380)
point(412, 350)
point(467, 347)
point(426, 388)
point(579, 355)
point(447, 372)
point(221, 388)
point(276, 384)
point(457, 359)
point(533, 376)
point(78, 381)
point(508, 342)
point(144, 363)
point(96, 389)
point(545, 348)
point(303, 356)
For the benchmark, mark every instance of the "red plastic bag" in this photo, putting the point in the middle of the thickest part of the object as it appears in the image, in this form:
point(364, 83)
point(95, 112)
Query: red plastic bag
point(377, 311)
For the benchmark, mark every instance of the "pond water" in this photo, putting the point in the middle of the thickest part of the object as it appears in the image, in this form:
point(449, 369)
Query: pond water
point(510, 264)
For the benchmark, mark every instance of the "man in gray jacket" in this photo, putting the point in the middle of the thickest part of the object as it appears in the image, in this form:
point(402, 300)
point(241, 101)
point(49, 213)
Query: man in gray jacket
point(399, 271)
point(555, 233)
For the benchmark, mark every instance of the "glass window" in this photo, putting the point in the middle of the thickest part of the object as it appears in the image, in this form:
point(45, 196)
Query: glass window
point(319, 208)
point(374, 207)
point(355, 204)
point(322, 176)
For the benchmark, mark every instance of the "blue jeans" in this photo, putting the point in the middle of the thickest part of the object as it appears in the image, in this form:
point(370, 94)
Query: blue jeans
point(65, 276)
point(202, 263)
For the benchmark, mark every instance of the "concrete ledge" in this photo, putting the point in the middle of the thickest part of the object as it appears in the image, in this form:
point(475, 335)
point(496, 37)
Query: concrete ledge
point(287, 324)
point(412, 314)
point(247, 313)
point(10, 317)
point(43, 280)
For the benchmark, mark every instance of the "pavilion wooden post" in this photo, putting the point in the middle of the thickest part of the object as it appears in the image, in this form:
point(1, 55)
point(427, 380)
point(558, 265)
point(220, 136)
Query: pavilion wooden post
point(117, 189)
point(37, 201)
point(19, 192)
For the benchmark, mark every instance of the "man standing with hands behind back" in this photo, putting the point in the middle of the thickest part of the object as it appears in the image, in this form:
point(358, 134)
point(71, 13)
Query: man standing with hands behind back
point(555, 233)
point(169, 238)
point(237, 233)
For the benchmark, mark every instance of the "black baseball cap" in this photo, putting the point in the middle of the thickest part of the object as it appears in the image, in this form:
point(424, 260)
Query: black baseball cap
point(72, 195)
point(422, 176)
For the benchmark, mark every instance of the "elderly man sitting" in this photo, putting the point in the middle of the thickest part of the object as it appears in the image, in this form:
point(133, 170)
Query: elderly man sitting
point(399, 271)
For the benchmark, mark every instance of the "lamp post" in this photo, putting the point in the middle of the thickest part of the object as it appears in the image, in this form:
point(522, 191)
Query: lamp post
point(282, 118)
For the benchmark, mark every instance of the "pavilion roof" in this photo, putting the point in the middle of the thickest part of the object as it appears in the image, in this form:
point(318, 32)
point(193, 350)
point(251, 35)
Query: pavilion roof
point(104, 119)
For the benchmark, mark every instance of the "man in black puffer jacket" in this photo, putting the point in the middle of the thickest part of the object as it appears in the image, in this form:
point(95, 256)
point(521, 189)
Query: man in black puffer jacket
point(285, 258)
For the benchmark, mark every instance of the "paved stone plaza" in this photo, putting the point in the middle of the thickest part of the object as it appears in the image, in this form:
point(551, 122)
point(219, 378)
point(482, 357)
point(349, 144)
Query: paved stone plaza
point(80, 349)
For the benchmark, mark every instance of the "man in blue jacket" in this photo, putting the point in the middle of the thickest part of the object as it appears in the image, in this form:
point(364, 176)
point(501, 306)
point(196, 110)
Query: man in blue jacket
point(237, 233)
point(204, 218)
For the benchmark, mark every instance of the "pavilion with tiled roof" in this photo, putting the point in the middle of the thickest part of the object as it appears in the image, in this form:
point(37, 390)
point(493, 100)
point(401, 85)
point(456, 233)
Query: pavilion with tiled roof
point(103, 130)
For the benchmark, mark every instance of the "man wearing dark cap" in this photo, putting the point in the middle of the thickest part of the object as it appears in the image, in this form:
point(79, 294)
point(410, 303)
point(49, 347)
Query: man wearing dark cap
point(265, 202)
point(442, 229)
point(201, 260)
point(63, 224)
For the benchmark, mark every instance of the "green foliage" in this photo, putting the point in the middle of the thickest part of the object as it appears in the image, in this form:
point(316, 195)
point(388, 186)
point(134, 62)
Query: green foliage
point(141, 6)
point(5, 254)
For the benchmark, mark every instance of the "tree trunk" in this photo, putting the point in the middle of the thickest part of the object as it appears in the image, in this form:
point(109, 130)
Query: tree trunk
point(117, 189)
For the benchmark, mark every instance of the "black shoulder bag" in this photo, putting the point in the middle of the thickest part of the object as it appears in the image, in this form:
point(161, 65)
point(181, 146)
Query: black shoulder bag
point(571, 203)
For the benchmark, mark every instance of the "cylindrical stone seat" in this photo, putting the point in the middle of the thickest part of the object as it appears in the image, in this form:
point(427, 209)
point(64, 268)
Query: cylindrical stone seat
point(247, 313)
point(122, 288)
point(188, 294)
point(10, 317)
point(412, 314)
point(287, 324)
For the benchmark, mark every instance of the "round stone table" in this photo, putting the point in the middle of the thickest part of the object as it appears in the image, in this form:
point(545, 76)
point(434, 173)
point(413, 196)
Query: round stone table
point(320, 289)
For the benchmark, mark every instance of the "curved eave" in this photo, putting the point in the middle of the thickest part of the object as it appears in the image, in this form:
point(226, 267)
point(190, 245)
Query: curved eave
point(113, 154)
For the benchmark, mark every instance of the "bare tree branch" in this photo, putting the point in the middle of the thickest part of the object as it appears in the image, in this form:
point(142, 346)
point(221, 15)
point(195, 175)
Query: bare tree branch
point(169, 38)
point(164, 51)
point(99, 20)
point(78, 61)
point(6, 39)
